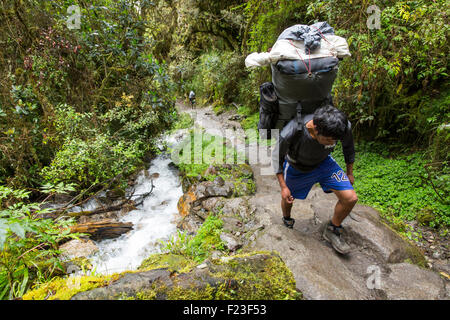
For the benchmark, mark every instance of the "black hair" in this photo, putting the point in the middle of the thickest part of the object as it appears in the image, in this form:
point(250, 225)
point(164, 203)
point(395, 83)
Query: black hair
point(330, 122)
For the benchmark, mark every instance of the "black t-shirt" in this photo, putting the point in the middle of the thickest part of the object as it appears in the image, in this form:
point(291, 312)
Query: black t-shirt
point(302, 151)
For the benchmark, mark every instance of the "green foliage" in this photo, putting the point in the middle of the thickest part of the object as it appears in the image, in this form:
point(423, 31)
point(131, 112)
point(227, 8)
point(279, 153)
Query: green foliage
point(272, 17)
point(400, 186)
point(251, 119)
point(28, 243)
point(184, 121)
point(200, 246)
point(98, 86)
point(93, 161)
point(394, 85)
point(215, 77)
point(198, 152)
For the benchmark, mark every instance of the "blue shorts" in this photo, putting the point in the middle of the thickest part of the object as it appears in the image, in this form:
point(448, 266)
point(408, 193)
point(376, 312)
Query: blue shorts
point(329, 174)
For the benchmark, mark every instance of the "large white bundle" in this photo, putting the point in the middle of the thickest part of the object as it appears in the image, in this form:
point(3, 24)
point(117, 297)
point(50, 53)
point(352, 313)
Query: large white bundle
point(330, 45)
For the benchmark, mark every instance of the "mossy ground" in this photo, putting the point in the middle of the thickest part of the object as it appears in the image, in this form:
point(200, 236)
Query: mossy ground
point(66, 288)
point(250, 276)
point(240, 175)
point(174, 262)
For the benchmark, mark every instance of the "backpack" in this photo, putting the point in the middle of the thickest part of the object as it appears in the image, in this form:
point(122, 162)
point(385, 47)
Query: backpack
point(270, 110)
point(299, 86)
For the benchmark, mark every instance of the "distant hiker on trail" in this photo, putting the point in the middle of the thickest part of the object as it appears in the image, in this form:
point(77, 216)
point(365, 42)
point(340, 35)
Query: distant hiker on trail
point(304, 159)
point(192, 98)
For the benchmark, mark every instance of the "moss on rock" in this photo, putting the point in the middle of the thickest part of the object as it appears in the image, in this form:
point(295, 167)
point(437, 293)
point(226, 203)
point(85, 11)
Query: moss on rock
point(249, 276)
point(173, 262)
point(66, 288)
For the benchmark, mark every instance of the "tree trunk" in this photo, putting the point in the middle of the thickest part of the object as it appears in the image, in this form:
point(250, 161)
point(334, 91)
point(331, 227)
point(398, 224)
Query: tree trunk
point(104, 229)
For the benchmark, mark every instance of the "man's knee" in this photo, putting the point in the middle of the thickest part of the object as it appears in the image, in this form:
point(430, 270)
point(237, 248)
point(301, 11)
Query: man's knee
point(348, 198)
point(351, 199)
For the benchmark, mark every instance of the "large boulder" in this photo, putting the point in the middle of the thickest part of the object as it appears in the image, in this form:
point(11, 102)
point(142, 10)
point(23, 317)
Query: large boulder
point(322, 273)
point(199, 192)
point(78, 248)
point(405, 281)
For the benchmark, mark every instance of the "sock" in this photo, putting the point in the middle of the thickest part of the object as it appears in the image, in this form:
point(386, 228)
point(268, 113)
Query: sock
point(337, 230)
point(331, 224)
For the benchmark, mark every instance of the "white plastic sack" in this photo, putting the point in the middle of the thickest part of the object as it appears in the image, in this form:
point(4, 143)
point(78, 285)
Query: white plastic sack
point(331, 45)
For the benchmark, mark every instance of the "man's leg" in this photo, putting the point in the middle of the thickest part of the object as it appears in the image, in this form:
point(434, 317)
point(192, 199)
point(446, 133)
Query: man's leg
point(286, 208)
point(346, 201)
point(332, 232)
point(335, 180)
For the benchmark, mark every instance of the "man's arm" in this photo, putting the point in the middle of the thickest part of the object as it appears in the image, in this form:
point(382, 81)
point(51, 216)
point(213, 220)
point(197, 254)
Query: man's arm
point(278, 157)
point(350, 173)
point(285, 192)
point(282, 146)
point(348, 148)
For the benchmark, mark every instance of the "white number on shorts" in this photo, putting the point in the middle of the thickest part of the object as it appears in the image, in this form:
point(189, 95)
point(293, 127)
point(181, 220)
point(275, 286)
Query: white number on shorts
point(340, 176)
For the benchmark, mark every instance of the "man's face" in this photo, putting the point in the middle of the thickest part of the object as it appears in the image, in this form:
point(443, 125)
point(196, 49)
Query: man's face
point(326, 141)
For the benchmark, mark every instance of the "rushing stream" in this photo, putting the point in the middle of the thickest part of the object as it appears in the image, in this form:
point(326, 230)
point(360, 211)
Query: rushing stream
point(153, 221)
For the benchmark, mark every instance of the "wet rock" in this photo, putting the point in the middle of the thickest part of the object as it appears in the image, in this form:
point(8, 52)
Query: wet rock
point(252, 276)
point(365, 229)
point(399, 284)
point(78, 248)
point(231, 224)
point(172, 165)
point(210, 171)
point(319, 273)
point(231, 242)
point(199, 193)
point(154, 175)
point(190, 224)
point(219, 181)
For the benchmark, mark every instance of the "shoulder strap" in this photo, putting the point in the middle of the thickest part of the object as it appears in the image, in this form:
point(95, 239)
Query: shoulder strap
point(299, 117)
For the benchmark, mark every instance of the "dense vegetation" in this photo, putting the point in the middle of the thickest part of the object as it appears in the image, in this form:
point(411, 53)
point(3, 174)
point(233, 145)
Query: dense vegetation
point(80, 108)
point(81, 105)
point(394, 87)
point(79, 111)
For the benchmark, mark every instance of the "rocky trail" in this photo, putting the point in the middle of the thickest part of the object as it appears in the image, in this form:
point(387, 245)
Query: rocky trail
point(265, 257)
point(382, 264)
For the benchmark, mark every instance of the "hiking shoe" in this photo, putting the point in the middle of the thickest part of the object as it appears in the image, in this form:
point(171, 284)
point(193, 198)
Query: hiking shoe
point(334, 235)
point(289, 222)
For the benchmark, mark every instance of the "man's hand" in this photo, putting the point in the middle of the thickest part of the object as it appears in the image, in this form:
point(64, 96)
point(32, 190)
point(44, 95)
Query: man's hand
point(349, 170)
point(351, 178)
point(286, 195)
